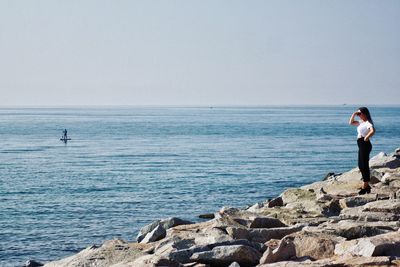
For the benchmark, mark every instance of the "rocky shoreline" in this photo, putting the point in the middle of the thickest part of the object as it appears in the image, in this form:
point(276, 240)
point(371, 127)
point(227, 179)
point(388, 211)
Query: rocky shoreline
point(322, 224)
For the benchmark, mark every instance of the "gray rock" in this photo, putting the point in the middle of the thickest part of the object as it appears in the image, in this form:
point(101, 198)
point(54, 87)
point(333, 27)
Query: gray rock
point(238, 233)
point(207, 216)
point(388, 206)
point(148, 261)
point(184, 255)
point(292, 195)
point(334, 262)
point(110, 253)
point(380, 155)
point(226, 255)
point(357, 229)
point(258, 246)
point(256, 207)
point(303, 244)
point(263, 235)
point(276, 202)
point(166, 224)
point(390, 162)
point(266, 222)
point(380, 245)
point(33, 263)
point(286, 250)
point(147, 229)
point(156, 234)
point(234, 264)
point(355, 201)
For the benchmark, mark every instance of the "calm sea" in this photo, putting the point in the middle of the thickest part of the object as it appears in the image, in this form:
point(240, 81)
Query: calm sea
point(126, 167)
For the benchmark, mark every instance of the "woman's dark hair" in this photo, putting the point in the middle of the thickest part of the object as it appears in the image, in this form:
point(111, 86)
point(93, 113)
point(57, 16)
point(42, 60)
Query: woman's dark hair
point(365, 111)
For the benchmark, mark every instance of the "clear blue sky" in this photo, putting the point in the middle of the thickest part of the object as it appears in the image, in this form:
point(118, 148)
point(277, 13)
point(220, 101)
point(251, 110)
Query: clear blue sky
point(79, 52)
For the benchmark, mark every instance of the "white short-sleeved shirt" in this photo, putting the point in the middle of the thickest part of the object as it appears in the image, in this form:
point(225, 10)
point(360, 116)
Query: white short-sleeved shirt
point(363, 129)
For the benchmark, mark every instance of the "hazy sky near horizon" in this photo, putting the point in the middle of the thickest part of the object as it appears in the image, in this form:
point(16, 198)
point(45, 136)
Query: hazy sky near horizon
point(95, 52)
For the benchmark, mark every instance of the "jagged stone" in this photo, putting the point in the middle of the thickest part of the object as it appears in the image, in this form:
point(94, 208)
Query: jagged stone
point(166, 224)
point(286, 250)
point(292, 195)
point(33, 263)
point(276, 202)
point(303, 244)
point(380, 245)
point(256, 207)
point(389, 206)
point(335, 262)
point(155, 235)
point(350, 229)
point(149, 261)
point(111, 252)
point(225, 255)
point(355, 201)
point(207, 216)
point(264, 235)
point(266, 222)
point(390, 162)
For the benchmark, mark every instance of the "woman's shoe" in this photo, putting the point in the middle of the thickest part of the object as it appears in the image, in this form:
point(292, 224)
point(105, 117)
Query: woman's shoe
point(364, 191)
point(368, 189)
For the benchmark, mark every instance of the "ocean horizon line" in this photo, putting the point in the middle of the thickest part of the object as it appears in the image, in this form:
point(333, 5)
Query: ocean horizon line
point(192, 106)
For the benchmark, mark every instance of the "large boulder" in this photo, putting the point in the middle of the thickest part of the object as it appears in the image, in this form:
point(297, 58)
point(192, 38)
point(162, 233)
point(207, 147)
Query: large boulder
point(297, 195)
point(286, 250)
point(334, 262)
point(388, 206)
point(225, 255)
point(149, 261)
point(155, 235)
point(350, 229)
point(263, 235)
point(382, 161)
point(166, 224)
point(355, 201)
point(184, 255)
point(32, 263)
point(380, 210)
point(111, 252)
point(380, 245)
point(303, 244)
point(266, 222)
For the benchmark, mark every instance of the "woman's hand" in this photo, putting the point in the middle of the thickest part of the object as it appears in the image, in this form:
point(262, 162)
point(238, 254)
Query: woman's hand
point(366, 139)
point(352, 121)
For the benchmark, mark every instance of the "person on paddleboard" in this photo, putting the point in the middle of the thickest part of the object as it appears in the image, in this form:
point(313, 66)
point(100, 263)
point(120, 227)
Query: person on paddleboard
point(65, 134)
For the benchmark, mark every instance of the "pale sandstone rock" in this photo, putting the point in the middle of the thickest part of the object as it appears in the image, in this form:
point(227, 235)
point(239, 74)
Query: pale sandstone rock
point(303, 244)
point(350, 229)
point(355, 201)
point(264, 235)
point(111, 252)
point(335, 262)
point(380, 245)
point(297, 195)
point(389, 206)
point(390, 162)
point(225, 255)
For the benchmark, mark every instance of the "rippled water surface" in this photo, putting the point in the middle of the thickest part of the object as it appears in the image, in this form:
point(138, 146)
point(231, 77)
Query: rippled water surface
point(125, 167)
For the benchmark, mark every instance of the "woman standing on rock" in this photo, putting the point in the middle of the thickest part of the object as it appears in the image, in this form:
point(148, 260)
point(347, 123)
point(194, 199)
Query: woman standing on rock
point(365, 130)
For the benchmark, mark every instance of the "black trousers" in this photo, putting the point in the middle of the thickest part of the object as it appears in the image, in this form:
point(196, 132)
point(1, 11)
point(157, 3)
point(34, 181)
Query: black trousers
point(364, 148)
